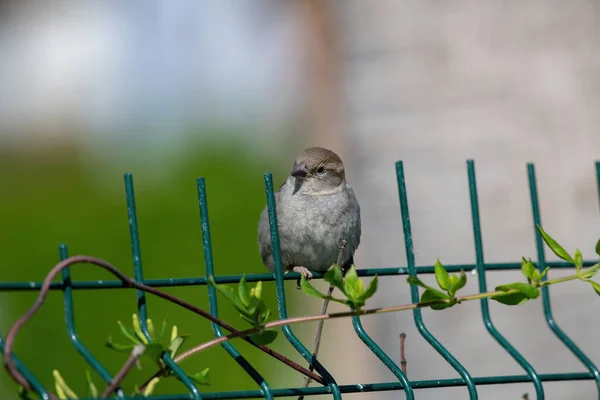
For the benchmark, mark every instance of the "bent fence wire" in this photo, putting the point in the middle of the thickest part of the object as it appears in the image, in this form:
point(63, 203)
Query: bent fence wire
point(265, 389)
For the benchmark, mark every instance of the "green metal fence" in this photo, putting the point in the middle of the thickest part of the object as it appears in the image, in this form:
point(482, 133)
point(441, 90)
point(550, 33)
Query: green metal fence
point(265, 389)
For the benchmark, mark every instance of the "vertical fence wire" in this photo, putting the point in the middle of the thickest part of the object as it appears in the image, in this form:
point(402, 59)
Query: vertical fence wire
point(281, 304)
point(70, 322)
point(485, 310)
point(212, 293)
point(537, 220)
point(414, 291)
point(387, 361)
point(139, 277)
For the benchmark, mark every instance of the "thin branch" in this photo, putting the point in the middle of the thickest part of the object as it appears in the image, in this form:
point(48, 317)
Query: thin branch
point(137, 351)
point(319, 330)
point(9, 361)
point(346, 314)
point(402, 356)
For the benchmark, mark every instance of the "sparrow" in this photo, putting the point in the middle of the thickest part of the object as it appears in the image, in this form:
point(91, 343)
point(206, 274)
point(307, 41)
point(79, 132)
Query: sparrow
point(317, 211)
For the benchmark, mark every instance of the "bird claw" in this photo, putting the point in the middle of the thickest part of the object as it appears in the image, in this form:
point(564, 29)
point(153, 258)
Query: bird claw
point(302, 271)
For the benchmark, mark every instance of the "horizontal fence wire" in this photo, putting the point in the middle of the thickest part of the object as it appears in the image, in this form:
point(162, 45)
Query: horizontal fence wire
point(330, 386)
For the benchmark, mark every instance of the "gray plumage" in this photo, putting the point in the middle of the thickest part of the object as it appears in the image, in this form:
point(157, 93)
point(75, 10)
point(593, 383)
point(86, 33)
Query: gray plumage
point(316, 210)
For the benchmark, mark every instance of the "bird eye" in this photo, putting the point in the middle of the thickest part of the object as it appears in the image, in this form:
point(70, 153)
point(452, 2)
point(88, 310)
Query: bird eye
point(320, 170)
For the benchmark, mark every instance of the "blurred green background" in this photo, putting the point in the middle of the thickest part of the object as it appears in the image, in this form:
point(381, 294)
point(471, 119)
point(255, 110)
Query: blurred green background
point(64, 196)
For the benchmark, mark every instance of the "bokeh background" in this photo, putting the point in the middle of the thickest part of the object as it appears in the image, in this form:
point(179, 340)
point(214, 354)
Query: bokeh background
point(228, 90)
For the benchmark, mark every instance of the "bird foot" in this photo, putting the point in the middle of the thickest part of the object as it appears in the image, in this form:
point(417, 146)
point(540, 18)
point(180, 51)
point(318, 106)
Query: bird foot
point(302, 271)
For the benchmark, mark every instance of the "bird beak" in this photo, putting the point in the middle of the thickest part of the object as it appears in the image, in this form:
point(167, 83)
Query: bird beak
point(300, 172)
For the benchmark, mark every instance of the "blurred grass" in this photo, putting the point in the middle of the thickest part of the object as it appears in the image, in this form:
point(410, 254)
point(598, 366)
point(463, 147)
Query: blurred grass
point(56, 197)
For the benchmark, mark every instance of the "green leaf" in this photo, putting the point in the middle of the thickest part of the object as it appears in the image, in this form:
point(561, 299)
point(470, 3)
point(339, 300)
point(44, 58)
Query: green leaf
point(62, 389)
point(154, 351)
point(413, 280)
point(162, 329)
point(596, 287)
point(525, 292)
point(462, 281)
point(176, 344)
point(598, 247)
point(309, 289)
point(335, 277)
point(588, 274)
point(92, 390)
point(123, 348)
point(544, 272)
point(138, 329)
point(578, 260)
point(244, 292)
point(257, 290)
point(201, 377)
point(230, 294)
point(513, 299)
point(128, 333)
point(371, 289)
point(151, 386)
point(264, 315)
point(531, 292)
point(264, 337)
point(432, 295)
point(353, 285)
point(441, 275)
point(528, 270)
point(555, 247)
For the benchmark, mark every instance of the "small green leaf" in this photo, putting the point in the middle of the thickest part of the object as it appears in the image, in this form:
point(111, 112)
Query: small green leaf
point(531, 292)
point(128, 333)
point(151, 386)
point(462, 281)
point(441, 275)
point(62, 389)
point(432, 296)
point(528, 270)
point(335, 277)
point(174, 333)
point(264, 337)
point(154, 351)
point(201, 377)
point(231, 295)
point(264, 315)
point(150, 326)
point(244, 292)
point(414, 280)
point(163, 329)
point(371, 289)
point(353, 285)
point(596, 287)
point(309, 289)
point(513, 299)
point(544, 272)
point(123, 348)
point(588, 274)
point(555, 247)
point(598, 247)
point(525, 292)
point(176, 344)
point(257, 290)
point(578, 260)
point(138, 329)
point(92, 389)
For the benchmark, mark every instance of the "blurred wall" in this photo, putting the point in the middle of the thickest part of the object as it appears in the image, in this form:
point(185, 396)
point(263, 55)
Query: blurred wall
point(504, 83)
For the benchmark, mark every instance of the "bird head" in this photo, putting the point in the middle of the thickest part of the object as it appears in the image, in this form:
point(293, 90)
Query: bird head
point(318, 171)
